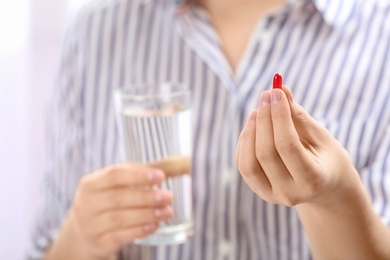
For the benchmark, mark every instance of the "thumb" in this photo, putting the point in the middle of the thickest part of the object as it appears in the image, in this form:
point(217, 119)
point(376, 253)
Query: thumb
point(174, 166)
point(289, 94)
point(309, 130)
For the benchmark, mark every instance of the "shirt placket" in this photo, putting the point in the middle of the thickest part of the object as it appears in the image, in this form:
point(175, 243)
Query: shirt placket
point(197, 32)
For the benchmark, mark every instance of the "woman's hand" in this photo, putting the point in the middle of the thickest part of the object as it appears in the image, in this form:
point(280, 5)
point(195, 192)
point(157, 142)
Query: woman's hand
point(288, 158)
point(113, 207)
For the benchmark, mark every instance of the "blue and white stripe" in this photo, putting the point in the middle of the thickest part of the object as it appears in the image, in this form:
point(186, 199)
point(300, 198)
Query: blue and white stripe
point(335, 55)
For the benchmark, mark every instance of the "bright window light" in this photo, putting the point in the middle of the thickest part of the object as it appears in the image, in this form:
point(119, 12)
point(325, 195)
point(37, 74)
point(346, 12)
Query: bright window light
point(13, 25)
point(76, 4)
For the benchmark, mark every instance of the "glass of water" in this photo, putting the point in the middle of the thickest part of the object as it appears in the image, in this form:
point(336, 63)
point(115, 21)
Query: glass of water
point(154, 122)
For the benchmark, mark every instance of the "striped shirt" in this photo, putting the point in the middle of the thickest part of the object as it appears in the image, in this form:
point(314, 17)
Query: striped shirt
point(335, 55)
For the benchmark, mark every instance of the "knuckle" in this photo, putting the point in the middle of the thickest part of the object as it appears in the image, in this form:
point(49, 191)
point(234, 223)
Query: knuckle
point(246, 136)
point(261, 114)
point(301, 114)
point(85, 183)
point(286, 146)
point(247, 169)
point(290, 200)
point(117, 240)
point(264, 155)
point(287, 197)
point(116, 199)
point(116, 220)
point(111, 174)
point(279, 115)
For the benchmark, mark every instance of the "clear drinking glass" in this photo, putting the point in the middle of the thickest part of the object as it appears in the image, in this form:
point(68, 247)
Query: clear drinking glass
point(154, 122)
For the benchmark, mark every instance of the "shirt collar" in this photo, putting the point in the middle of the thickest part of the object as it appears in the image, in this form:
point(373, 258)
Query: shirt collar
point(336, 12)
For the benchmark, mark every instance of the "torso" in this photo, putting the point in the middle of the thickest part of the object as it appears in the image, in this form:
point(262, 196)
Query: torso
point(123, 42)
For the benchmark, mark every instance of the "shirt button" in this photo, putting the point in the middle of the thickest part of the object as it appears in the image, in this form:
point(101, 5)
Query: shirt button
point(225, 249)
point(229, 176)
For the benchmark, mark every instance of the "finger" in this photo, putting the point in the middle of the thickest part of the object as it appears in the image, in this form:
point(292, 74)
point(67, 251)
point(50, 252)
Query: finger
point(238, 150)
point(121, 219)
point(289, 94)
point(309, 130)
point(287, 142)
point(266, 152)
point(174, 166)
point(125, 198)
point(118, 238)
point(248, 165)
point(123, 175)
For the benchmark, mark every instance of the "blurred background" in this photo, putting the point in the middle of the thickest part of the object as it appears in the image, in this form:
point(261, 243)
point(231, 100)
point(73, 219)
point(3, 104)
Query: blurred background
point(30, 40)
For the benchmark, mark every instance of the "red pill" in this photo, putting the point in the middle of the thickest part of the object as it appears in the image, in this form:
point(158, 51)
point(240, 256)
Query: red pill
point(277, 81)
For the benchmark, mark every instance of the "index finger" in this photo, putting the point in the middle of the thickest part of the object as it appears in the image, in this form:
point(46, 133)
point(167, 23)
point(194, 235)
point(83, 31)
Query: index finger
point(125, 175)
point(138, 175)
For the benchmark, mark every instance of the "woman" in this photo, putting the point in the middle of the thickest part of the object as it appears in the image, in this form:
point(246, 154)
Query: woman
point(335, 57)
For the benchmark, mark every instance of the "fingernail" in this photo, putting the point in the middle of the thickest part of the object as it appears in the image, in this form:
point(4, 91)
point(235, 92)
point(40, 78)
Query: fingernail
point(265, 99)
point(252, 117)
point(276, 96)
point(160, 213)
point(155, 175)
point(148, 228)
point(158, 197)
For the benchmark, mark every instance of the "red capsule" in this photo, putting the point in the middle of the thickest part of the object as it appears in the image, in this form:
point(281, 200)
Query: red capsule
point(277, 81)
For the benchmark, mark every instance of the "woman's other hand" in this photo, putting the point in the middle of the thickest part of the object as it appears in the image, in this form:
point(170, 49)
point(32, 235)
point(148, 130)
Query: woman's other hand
point(114, 206)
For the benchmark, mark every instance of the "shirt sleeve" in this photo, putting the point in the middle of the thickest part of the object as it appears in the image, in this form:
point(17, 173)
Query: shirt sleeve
point(376, 176)
point(65, 145)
